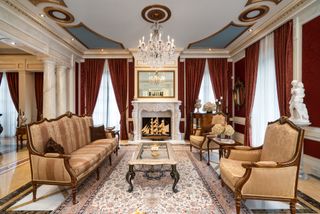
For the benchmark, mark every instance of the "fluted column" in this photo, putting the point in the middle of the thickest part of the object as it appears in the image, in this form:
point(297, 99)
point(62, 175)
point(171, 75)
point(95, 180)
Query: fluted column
point(49, 89)
point(61, 89)
point(71, 90)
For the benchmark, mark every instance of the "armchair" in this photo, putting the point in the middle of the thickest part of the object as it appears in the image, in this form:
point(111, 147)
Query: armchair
point(269, 172)
point(199, 139)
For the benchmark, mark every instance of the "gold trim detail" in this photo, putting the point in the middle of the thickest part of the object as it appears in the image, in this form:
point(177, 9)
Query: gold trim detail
point(263, 10)
point(256, 1)
point(58, 2)
point(50, 13)
point(83, 25)
point(156, 13)
point(212, 35)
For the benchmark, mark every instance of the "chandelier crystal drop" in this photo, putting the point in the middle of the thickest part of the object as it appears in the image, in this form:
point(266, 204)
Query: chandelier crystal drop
point(155, 52)
point(156, 78)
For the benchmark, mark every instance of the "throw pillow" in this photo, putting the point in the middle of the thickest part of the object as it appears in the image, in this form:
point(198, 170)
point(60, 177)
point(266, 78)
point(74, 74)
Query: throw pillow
point(97, 133)
point(53, 147)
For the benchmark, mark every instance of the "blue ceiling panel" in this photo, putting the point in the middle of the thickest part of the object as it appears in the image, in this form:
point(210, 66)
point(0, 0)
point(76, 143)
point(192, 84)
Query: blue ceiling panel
point(91, 39)
point(221, 39)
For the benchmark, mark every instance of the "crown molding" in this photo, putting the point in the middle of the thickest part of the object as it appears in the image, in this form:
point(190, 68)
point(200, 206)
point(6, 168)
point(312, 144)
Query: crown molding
point(284, 15)
point(205, 53)
point(107, 53)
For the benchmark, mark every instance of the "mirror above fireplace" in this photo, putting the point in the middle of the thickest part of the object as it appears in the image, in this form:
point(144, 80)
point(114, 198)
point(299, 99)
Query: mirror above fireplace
point(156, 84)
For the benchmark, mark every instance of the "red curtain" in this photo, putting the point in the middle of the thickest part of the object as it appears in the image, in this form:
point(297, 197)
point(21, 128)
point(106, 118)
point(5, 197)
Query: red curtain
point(194, 73)
point(13, 83)
point(77, 88)
point(283, 53)
point(38, 88)
point(181, 92)
point(251, 65)
point(218, 68)
point(119, 72)
point(83, 85)
point(91, 78)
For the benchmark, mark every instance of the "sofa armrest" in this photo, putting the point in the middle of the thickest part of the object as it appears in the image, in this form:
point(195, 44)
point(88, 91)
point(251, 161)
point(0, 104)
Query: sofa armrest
point(252, 155)
point(51, 168)
point(261, 164)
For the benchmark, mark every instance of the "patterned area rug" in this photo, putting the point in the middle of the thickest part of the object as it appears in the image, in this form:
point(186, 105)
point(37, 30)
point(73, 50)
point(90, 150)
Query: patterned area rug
point(199, 188)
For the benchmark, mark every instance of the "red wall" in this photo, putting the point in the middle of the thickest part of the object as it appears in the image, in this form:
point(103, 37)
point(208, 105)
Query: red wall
point(239, 73)
point(311, 77)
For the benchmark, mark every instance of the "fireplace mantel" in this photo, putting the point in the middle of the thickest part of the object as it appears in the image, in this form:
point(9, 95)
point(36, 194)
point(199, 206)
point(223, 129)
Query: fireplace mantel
point(156, 106)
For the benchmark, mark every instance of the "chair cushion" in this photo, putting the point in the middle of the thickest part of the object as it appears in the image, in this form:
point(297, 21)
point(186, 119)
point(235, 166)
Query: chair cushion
point(196, 140)
point(231, 171)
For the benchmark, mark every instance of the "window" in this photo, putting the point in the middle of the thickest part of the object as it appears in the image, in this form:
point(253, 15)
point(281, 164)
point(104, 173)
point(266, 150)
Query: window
point(7, 109)
point(265, 106)
point(106, 111)
point(206, 93)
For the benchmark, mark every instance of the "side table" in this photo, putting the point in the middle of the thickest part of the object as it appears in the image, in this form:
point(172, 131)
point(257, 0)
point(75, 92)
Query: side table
point(222, 143)
point(21, 134)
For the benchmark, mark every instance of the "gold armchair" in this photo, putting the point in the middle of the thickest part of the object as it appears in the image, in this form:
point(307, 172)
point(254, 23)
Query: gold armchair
point(199, 137)
point(269, 172)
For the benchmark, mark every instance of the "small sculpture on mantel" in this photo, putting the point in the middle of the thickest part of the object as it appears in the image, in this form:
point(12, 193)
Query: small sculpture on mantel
point(22, 119)
point(298, 110)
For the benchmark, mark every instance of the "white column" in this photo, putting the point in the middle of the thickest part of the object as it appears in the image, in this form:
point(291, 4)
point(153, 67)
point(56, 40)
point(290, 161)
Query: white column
point(49, 89)
point(61, 89)
point(71, 90)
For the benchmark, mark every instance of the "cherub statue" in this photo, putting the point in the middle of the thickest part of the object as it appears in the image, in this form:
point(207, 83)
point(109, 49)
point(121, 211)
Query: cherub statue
point(298, 110)
point(22, 118)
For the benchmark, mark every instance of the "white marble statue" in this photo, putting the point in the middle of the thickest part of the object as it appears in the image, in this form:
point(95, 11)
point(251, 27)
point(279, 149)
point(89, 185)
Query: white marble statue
point(298, 110)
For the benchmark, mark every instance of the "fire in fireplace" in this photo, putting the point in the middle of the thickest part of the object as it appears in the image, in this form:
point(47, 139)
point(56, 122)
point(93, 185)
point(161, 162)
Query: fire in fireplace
point(156, 127)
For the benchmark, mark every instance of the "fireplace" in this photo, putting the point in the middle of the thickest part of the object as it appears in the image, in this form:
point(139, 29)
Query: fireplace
point(168, 110)
point(156, 127)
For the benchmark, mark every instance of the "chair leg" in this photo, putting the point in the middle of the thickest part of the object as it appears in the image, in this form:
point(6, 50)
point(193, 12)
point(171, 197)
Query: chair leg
point(293, 206)
point(238, 202)
point(34, 191)
point(110, 160)
point(200, 154)
point(98, 174)
point(190, 148)
point(74, 194)
point(222, 183)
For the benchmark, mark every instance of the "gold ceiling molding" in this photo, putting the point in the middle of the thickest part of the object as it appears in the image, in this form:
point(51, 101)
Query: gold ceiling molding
point(262, 11)
point(51, 13)
point(255, 1)
point(58, 2)
point(156, 13)
point(230, 24)
point(84, 26)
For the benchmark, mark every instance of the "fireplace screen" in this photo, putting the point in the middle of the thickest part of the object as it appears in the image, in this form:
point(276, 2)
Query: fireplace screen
point(156, 126)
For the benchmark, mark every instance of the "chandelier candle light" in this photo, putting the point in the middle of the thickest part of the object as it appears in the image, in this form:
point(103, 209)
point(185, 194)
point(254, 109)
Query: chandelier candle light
point(156, 53)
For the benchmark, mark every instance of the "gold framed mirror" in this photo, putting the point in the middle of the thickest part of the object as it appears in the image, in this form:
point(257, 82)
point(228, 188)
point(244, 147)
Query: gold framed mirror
point(156, 84)
point(239, 93)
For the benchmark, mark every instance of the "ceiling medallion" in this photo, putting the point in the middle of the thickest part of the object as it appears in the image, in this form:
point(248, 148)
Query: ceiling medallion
point(156, 13)
point(253, 13)
point(155, 52)
point(59, 15)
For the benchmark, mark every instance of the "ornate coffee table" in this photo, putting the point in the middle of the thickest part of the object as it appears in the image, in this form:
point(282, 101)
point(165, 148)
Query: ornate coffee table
point(151, 154)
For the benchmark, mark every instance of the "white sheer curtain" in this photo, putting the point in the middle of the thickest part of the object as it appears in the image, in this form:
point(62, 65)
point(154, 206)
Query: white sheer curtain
point(106, 110)
point(265, 106)
point(7, 109)
point(206, 93)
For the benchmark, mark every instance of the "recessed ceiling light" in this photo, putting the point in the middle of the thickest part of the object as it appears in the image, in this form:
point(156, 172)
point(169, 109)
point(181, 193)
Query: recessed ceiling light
point(12, 43)
point(209, 49)
point(42, 15)
point(72, 39)
point(101, 50)
point(250, 30)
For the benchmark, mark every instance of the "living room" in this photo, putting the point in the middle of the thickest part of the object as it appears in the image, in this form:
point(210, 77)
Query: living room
point(159, 106)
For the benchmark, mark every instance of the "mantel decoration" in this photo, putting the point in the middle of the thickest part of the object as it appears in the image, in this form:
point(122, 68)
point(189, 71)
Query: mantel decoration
point(155, 52)
point(209, 107)
point(197, 105)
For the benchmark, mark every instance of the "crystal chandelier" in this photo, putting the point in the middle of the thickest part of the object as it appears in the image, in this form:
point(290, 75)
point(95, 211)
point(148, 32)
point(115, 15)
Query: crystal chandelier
point(155, 52)
point(156, 78)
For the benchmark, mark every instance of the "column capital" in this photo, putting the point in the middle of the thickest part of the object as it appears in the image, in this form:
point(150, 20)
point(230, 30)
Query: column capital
point(49, 62)
point(61, 67)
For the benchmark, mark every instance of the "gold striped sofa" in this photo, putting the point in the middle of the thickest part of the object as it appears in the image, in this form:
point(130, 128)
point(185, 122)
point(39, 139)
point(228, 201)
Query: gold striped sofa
point(81, 155)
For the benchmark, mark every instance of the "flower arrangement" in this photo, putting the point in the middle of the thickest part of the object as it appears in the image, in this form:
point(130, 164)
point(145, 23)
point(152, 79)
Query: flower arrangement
point(209, 107)
point(219, 129)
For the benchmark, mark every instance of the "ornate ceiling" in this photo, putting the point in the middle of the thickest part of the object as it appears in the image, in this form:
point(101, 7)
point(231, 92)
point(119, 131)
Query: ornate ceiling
point(117, 24)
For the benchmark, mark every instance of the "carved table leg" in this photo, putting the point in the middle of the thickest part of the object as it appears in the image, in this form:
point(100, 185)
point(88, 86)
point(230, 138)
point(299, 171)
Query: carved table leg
point(208, 143)
point(130, 175)
point(174, 173)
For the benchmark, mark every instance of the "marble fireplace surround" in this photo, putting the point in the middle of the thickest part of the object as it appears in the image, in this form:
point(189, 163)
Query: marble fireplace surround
point(156, 108)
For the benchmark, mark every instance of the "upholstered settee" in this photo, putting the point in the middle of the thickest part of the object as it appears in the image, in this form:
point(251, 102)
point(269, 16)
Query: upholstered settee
point(199, 139)
point(269, 172)
point(80, 158)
